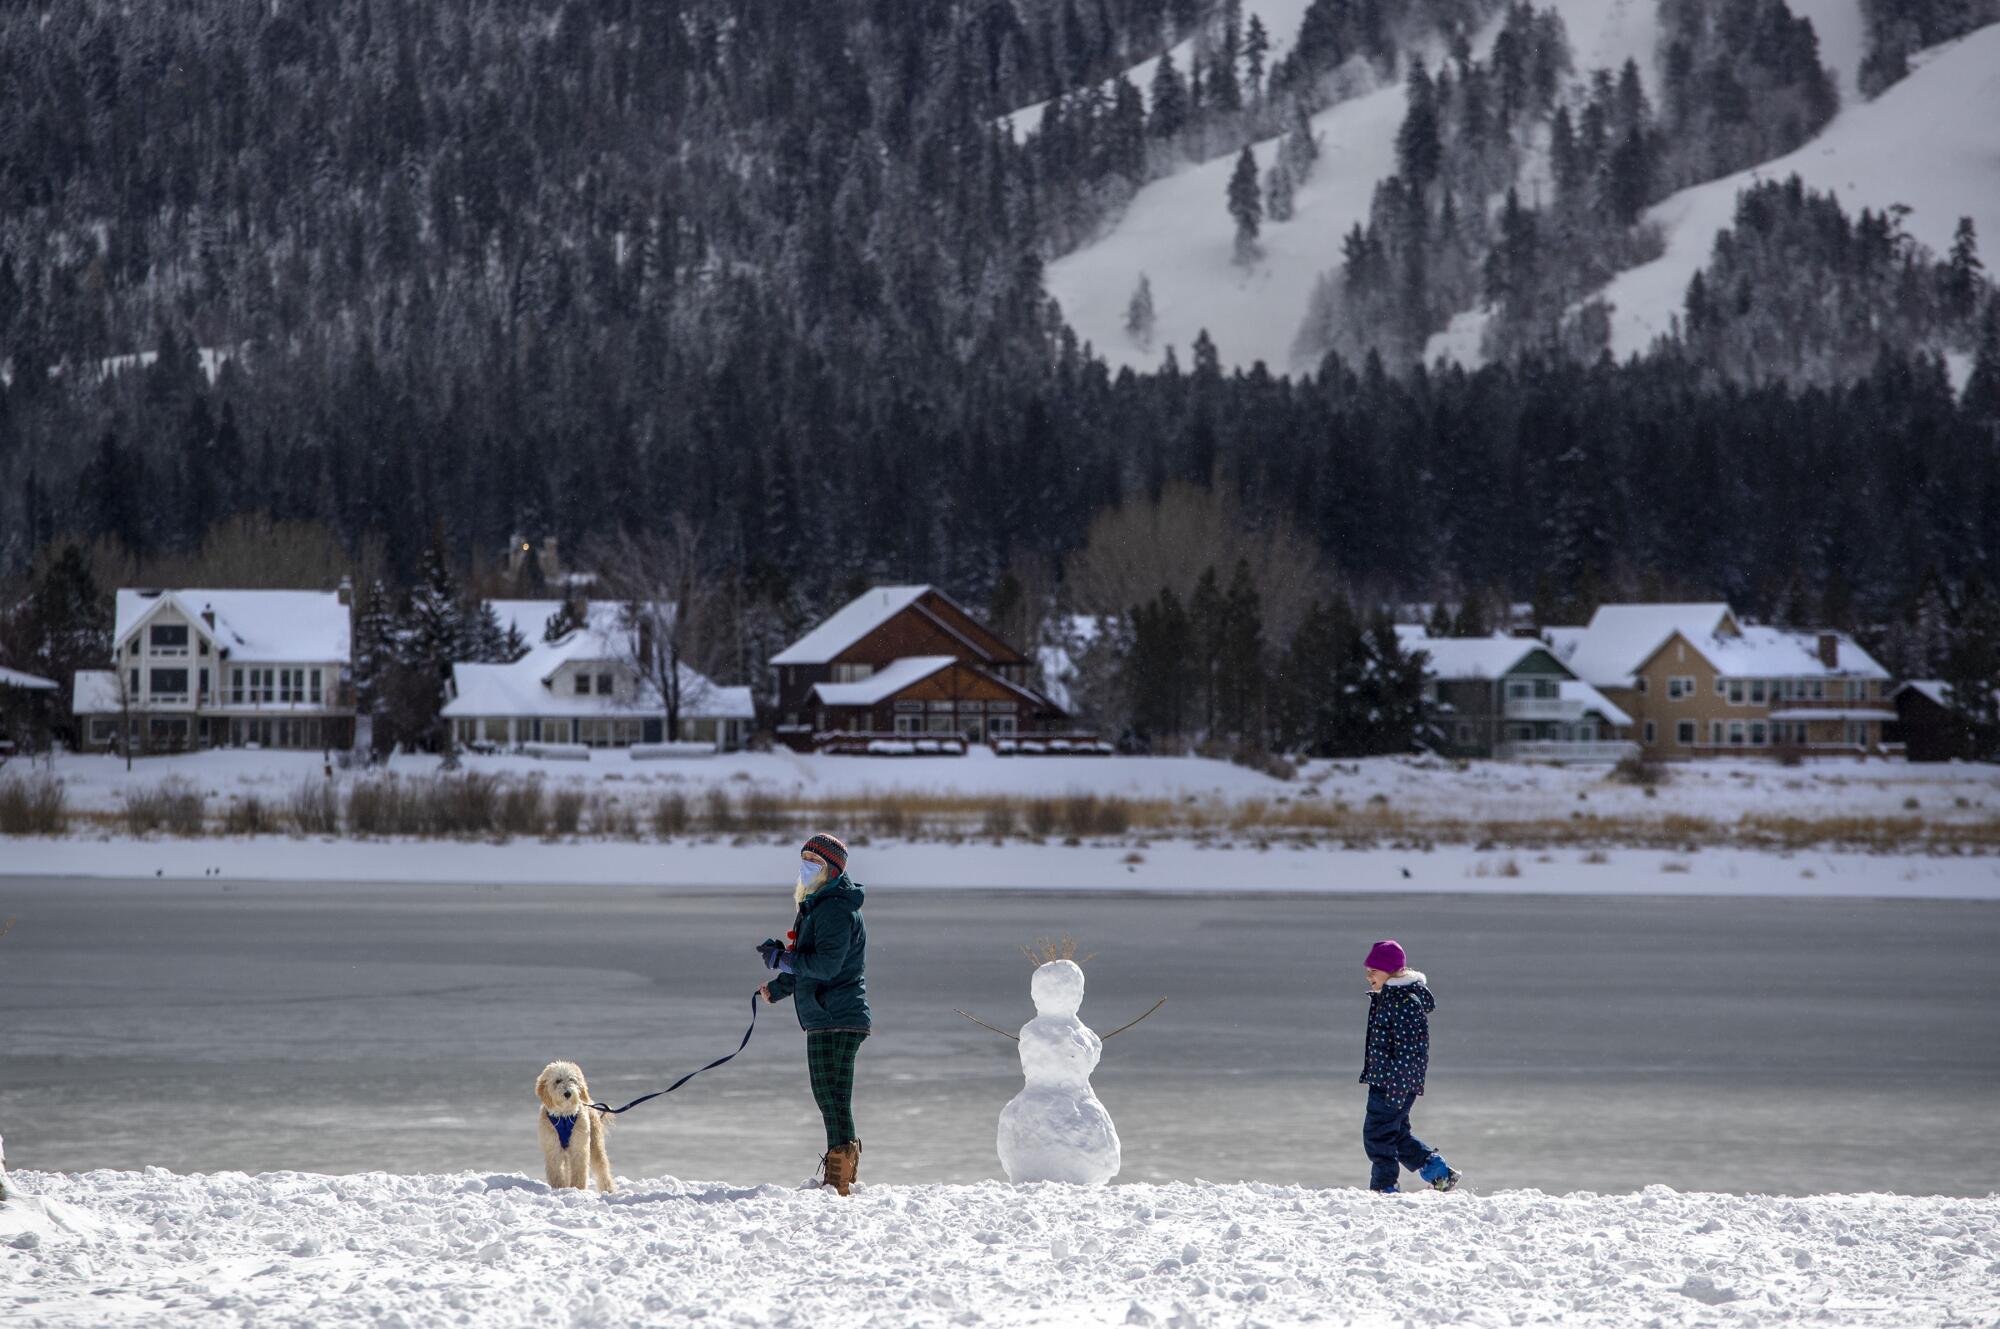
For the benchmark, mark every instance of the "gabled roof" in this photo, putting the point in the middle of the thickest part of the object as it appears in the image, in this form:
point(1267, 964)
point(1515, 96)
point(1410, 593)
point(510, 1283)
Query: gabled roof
point(865, 613)
point(1575, 689)
point(525, 687)
point(94, 692)
point(281, 627)
point(885, 682)
point(1936, 689)
point(1474, 657)
point(849, 624)
point(14, 678)
point(1759, 651)
point(1622, 637)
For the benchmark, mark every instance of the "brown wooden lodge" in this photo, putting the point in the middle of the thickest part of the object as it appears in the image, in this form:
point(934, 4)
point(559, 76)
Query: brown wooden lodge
point(906, 669)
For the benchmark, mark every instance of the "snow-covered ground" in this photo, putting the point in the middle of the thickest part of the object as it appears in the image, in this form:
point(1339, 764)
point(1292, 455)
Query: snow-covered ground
point(119, 1248)
point(1178, 233)
point(1421, 789)
point(1927, 143)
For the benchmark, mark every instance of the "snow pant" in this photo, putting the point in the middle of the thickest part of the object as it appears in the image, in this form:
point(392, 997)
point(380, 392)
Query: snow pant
point(830, 1065)
point(1385, 1134)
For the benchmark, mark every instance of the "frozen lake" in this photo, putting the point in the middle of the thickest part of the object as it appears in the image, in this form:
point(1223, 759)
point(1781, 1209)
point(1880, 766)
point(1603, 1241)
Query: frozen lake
point(1788, 1045)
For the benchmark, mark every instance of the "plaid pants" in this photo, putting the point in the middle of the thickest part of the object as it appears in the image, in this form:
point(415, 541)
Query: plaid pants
point(830, 1065)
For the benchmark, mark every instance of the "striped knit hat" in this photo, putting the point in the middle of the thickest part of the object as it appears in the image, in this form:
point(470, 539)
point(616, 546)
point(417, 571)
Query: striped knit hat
point(829, 848)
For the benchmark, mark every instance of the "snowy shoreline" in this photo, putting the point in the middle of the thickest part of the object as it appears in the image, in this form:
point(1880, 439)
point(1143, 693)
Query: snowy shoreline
point(1132, 865)
point(109, 1248)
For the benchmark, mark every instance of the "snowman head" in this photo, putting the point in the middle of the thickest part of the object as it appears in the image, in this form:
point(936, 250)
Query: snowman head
point(1057, 988)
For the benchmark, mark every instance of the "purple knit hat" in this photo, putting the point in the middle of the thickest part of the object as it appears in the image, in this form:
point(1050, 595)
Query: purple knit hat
point(1387, 956)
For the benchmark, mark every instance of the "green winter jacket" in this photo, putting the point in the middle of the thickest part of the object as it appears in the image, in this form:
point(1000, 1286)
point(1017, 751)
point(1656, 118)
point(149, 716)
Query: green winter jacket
point(828, 983)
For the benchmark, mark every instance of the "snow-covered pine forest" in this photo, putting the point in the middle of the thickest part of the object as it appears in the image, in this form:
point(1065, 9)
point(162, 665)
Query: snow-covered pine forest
point(414, 280)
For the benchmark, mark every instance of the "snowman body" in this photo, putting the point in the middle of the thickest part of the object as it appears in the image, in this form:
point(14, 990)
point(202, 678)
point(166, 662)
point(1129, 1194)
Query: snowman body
point(1055, 1129)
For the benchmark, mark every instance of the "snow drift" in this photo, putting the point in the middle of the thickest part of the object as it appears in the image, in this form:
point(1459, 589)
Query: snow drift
point(109, 1248)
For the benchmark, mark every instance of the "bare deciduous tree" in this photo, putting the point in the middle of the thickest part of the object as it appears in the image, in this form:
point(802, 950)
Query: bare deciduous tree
point(668, 620)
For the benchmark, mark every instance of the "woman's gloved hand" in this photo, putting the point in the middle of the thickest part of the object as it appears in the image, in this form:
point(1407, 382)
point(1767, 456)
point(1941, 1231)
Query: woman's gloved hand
point(771, 949)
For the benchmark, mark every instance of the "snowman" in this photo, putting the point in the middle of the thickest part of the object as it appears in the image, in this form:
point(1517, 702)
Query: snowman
point(1055, 1129)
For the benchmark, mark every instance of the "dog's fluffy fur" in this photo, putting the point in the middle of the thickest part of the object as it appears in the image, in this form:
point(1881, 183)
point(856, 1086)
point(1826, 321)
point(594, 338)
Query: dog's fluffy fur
point(562, 1091)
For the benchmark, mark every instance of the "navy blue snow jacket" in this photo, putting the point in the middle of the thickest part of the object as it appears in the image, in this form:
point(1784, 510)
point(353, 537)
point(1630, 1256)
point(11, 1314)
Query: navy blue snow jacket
point(1399, 1036)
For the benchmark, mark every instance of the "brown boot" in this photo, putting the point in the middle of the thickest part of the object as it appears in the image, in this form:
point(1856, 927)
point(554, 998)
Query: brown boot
point(842, 1164)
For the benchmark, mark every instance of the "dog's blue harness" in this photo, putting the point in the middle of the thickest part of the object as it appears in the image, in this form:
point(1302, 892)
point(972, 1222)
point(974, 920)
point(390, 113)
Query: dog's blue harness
point(563, 1125)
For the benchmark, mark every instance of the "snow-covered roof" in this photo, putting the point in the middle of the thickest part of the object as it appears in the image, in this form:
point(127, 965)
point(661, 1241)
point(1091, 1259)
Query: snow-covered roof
point(1575, 689)
point(1936, 689)
point(1473, 657)
point(524, 687)
point(1760, 651)
point(282, 627)
point(94, 692)
point(1621, 637)
point(885, 682)
point(14, 678)
point(855, 620)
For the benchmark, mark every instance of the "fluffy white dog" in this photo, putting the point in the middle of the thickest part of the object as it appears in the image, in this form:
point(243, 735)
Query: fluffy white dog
point(572, 1131)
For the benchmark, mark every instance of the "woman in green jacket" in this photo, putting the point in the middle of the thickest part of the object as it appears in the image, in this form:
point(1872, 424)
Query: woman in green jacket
point(824, 971)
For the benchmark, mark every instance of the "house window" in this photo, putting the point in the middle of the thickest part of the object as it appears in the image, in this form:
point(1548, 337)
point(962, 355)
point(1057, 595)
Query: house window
point(583, 685)
point(1002, 707)
point(132, 647)
point(1679, 686)
point(852, 673)
point(170, 638)
point(1519, 689)
point(909, 724)
point(204, 686)
point(170, 682)
point(103, 731)
point(1716, 733)
point(1819, 689)
point(1642, 684)
point(939, 724)
point(604, 685)
point(1758, 735)
point(1721, 686)
point(1757, 692)
point(315, 687)
point(909, 707)
point(1651, 734)
point(1736, 692)
point(1735, 733)
point(1000, 726)
point(1684, 733)
point(1520, 733)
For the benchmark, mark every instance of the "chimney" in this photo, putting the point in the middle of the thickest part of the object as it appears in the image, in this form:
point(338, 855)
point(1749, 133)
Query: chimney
point(1829, 649)
point(345, 591)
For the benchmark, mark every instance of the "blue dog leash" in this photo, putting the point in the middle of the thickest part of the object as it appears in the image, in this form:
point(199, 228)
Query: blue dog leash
point(614, 1111)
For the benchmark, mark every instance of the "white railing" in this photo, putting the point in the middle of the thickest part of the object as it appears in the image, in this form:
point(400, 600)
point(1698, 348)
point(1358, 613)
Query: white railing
point(1557, 750)
point(1543, 708)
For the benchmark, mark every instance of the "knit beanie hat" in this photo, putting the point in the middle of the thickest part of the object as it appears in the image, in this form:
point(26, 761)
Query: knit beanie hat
point(829, 848)
point(1387, 956)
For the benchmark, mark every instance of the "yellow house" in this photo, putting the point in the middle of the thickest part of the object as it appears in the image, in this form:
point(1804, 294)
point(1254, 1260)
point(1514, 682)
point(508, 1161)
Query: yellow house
point(1698, 682)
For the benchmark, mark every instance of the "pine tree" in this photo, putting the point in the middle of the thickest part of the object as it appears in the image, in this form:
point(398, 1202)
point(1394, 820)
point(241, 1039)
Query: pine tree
point(1246, 206)
point(1139, 316)
point(1419, 147)
point(1964, 275)
point(1256, 45)
point(374, 643)
point(1278, 190)
point(1169, 99)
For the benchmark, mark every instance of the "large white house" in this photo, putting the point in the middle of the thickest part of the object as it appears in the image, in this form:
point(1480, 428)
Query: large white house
point(583, 688)
point(196, 668)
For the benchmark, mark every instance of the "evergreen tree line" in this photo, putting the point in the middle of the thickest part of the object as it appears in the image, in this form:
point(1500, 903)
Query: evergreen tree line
point(1740, 83)
point(1897, 29)
point(1796, 290)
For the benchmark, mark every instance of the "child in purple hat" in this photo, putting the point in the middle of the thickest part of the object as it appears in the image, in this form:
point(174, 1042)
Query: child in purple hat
point(1399, 1052)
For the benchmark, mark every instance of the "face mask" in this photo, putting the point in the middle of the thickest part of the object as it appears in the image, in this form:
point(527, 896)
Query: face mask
point(810, 877)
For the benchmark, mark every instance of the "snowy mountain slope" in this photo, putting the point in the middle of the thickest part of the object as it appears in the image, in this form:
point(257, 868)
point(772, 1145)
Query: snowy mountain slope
point(115, 1248)
point(1927, 143)
point(1281, 23)
point(1178, 232)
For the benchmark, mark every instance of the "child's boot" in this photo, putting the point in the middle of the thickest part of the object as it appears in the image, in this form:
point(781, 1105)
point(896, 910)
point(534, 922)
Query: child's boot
point(1440, 1174)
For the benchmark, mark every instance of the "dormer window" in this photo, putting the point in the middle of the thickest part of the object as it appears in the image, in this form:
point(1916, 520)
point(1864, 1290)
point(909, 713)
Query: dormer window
point(852, 673)
point(582, 684)
point(604, 685)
